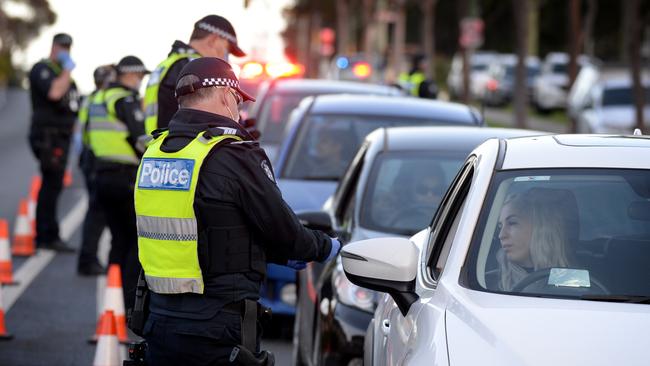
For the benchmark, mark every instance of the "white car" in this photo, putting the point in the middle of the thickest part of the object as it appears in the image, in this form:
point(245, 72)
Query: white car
point(479, 62)
point(551, 87)
point(538, 255)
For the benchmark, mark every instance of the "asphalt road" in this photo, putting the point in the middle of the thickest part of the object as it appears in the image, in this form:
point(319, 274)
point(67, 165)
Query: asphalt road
point(52, 312)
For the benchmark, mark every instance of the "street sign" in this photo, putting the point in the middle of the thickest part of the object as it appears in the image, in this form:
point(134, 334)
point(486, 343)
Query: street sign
point(471, 32)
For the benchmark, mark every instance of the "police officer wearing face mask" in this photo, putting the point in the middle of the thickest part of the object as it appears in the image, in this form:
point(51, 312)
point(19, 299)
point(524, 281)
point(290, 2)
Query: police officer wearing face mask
point(115, 122)
point(55, 103)
point(213, 36)
point(210, 217)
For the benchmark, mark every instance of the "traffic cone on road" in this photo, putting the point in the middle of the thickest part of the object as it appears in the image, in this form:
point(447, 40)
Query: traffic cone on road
point(67, 178)
point(6, 270)
point(3, 330)
point(34, 188)
point(114, 302)
point(23, 233)
point(108, 347)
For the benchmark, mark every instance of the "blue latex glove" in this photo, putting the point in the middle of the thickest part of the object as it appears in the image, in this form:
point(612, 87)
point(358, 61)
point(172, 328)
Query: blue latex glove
point(297, 265)
point(65, 60)
point(334, 251)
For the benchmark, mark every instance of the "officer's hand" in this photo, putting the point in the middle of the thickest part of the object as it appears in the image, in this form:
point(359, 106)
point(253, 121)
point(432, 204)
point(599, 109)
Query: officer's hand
point(65, 60)
point(297, 265)
point(334, 251)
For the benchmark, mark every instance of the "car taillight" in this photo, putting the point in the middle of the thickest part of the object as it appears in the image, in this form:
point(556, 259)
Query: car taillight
point(362, 70)
point(284, 69)
point(492, 85)
point(251, 70)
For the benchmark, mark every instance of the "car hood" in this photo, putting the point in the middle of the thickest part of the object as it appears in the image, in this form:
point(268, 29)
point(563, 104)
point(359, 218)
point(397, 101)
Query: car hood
point(515, 330)
point(305, 194)
point(621, 116)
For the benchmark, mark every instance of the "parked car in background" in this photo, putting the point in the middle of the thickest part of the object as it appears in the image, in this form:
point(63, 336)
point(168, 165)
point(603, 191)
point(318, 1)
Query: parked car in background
point(610, 107)
point(540, 243)
point(499, 88)
point(277, 98)
point(479, 62)
point(551, 87)
point(392, 188)
point(321, 139)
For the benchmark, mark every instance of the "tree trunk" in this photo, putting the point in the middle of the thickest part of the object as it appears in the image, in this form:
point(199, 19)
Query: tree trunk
point(342, 31)
point(574, 48)
point(399, 36)
point(428, 35)
point(368, 26)
point(533, 27)
point(463, 13)
point(633, 31)
point(587, 34)
point(521, 35)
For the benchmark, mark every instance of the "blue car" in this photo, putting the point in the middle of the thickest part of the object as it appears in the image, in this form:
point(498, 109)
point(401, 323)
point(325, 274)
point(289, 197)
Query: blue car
point(322, 138)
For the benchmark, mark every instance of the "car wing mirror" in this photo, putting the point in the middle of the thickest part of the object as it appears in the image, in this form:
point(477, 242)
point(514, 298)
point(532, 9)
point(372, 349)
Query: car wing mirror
point(316, 220)
point(373, 264)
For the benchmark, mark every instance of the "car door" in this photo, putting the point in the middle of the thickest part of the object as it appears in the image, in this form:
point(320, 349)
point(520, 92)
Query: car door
point(421, 333)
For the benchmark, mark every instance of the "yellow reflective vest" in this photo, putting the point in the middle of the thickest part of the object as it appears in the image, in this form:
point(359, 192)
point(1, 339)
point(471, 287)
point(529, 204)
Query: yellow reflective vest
point(164, 206)
point(412, 82)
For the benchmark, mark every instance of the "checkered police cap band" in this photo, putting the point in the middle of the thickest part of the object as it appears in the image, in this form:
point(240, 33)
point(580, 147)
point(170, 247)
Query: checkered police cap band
point(206, 83)
point(132, 68)
point(218, 31)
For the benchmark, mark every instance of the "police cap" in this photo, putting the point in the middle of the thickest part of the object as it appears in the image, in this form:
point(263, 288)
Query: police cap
point(221, 26)
point(131, 64)
point(211, 71)
point(62, 39)
point(103, 74)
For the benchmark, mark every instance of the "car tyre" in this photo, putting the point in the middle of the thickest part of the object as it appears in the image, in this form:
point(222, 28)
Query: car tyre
point(296, 355)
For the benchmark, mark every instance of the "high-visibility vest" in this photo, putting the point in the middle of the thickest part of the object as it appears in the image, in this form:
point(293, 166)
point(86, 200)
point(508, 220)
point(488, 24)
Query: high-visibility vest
point(153, 85)
point(82, 116)
point(412, 82)
point(164, 206)
point(107, 135)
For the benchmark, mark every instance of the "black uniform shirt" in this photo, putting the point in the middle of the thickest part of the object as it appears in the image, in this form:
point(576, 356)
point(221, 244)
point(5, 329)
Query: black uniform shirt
point(128, 110)
point(238, 174)
point(167, 103)
point(46, 112)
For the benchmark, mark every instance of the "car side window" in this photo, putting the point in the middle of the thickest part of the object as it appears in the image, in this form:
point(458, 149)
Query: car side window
point(446, 220)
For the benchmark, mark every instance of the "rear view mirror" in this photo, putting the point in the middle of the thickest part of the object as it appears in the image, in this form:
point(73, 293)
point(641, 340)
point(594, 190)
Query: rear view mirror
point(316, 220)
point(384, 264)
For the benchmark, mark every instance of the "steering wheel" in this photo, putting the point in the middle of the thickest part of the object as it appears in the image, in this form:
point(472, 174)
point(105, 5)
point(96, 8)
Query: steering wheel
point(543, 274)
point(412, 212)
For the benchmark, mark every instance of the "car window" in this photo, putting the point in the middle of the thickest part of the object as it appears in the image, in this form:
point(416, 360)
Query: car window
point(326, 143)
point(566, 232)
point(446, 219)
point(274, 115)
point(622, 96)
point(404, 189)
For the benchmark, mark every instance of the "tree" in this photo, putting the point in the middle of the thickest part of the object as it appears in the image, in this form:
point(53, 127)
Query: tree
point(634, 34)
point(16, 32)
point(520, 92)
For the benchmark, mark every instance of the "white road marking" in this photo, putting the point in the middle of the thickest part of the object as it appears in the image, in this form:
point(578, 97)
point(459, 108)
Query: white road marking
point(36, 263)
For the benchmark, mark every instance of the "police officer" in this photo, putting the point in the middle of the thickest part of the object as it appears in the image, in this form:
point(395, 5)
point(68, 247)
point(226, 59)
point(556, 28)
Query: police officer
point(55, 103)
point(210, 217)
point(416, 81)
point(95, 220)
point(213, 36)
point(115, 124)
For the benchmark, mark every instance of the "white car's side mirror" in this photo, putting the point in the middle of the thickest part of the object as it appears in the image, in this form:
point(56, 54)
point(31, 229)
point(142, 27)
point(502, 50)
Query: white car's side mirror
point(384, 264)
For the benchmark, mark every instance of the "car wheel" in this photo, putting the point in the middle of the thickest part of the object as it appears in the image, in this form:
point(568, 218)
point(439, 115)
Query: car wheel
point(297, 356)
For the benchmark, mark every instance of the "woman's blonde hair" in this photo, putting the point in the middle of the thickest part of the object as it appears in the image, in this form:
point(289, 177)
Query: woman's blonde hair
point(549, 240)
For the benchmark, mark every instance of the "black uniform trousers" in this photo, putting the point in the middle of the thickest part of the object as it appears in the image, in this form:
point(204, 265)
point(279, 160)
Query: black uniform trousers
point(115, 194)
point(50, 147)
point(180, 341)
point(95, 220)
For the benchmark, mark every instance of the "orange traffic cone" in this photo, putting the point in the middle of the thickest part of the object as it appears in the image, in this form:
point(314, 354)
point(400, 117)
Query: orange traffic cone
point(6, 272)
point(67, 178)
point(23, 234)
point(3, 331)
point(108, 348)
point(34, 189)
point(114, 302)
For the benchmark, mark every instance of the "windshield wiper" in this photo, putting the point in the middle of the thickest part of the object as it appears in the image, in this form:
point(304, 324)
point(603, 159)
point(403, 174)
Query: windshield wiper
point(634, 299)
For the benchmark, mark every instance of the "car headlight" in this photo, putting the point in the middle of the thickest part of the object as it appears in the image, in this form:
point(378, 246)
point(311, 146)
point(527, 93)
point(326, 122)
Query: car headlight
point(351, 294)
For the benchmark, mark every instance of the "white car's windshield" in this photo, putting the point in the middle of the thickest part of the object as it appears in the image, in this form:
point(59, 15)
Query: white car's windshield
point(404, 190)
point(568, 233)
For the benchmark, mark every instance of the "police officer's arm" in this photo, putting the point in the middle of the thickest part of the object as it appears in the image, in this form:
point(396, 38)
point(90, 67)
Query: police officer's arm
point(128, 110)
point(261, 201)
point(60, 86)
point(41, 78)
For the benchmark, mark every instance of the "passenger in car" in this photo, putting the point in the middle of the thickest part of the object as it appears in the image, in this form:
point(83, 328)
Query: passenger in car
point(533, 232)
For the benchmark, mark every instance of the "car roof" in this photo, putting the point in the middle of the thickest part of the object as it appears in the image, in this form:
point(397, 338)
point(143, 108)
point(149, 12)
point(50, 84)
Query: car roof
point(319, 86)
point(441, 138)
point(375, 105)
point(577, 151)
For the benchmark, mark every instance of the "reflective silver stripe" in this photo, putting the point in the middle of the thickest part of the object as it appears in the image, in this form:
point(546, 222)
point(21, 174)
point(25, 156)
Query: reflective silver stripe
point(151, 110)
point(107, 126)
point(167, 228)
point(165, 285)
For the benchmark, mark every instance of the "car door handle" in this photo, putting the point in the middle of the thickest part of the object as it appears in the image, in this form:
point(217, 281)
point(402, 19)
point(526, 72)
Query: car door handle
point(385, 326)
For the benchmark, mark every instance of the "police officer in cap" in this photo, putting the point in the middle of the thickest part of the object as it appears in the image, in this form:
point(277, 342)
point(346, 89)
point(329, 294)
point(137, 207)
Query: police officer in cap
point(213, 36)
point(55, 103)
point(95, 220)
point(210, 217)
point(116, 122)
